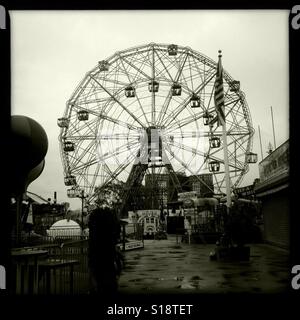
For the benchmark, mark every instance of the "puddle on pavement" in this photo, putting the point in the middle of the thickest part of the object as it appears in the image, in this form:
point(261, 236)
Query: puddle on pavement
point(171, 278)
point(135, 280)
point(196, 278)
point(150, 270)
point(256, 289)
point(176, 252)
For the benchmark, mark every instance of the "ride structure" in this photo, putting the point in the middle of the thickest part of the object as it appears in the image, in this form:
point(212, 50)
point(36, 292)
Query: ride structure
point(149, 110)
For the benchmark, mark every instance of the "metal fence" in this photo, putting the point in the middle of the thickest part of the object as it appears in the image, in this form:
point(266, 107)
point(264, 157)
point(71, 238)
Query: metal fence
point(64, 268)
point(65, 271)
point(132, 236)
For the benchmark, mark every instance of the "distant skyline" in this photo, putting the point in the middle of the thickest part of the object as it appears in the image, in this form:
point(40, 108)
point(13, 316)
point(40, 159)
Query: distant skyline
point(53, 50)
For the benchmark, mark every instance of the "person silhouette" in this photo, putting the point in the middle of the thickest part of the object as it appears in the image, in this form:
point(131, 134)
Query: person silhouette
point(104, 233)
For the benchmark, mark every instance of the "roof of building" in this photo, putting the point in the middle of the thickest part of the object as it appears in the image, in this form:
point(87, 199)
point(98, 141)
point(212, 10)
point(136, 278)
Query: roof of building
point(36, 198)
point(65, 224)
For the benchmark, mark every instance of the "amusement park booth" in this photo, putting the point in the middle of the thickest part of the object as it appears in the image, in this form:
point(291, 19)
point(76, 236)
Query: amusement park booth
point(148, 220)
point(273, 191)
point(202, 216)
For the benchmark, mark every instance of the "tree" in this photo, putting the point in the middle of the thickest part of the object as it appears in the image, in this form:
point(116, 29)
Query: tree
point(109, 195)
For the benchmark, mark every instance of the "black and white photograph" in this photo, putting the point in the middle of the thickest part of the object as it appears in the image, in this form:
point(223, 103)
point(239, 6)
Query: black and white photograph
point(151, 154)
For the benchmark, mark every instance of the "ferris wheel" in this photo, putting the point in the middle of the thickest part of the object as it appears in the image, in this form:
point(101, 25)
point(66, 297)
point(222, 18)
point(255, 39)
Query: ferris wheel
point(153, 97)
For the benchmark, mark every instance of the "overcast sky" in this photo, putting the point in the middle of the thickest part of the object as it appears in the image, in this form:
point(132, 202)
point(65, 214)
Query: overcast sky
point(53, 50)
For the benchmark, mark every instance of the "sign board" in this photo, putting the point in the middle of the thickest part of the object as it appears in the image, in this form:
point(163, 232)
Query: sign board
point(189, 211)
point(275, 163)
point(154, 212)
point(188, 203)
point(245, 191)
point(187, 195)
point(132, 245)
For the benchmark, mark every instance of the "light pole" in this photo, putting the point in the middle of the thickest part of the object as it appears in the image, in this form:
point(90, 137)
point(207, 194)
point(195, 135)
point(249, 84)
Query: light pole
point(82, 197)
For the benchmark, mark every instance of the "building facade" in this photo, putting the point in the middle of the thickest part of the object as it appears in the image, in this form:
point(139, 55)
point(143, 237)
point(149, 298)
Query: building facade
point(156, 190)
point(202, 184)
point(273, 191)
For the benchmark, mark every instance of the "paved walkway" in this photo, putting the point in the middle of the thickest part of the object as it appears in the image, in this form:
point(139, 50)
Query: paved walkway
point(165, 266)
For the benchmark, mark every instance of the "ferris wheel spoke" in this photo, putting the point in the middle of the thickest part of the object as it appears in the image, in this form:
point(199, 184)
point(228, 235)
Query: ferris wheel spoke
point(173, 116)
point(87, 164)
point(115, 121)
point(188, 169)
point(190, 73)
point(117, 151)
point(95, 176)
point(188, 149)
point(78, 164)
point(180, 67)
point(239, 146)
point(164, 66)
point(137, 69)
point(186, 121)
point(235, 112)
point(113, 81)
point(184, 77)
point(84, 152)
point(119, 102)
point(114, 174)
point(78, 157)
point(171, 135)
point(117, 136)
point(229, 144)
point(234, 158)
point(235, 125)
point(153, 92)
point(168, 99)
point(184, 104)
point(217, 182)
point(89, 125)
point(143, 111)
point(164, 108)
point(126, 72)
point(221, 181)
point(202, 154)
point(83, 180)
point(136, 96)
point(199, 71)
point(78, 91)
point(88, 134)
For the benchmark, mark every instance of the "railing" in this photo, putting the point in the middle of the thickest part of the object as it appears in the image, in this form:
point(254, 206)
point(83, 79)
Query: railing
point(63, 267)
point(63, 270)
point(66, 269)
point(132, 236)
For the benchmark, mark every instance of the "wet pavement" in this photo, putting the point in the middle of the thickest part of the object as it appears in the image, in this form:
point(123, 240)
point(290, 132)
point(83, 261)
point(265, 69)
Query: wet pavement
point(165, 266)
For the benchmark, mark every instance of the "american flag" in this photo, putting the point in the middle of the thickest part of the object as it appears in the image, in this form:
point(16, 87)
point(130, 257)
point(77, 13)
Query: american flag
point(219, 93)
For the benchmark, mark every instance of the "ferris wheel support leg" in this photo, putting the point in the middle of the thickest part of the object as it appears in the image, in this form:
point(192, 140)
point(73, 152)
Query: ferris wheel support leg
point(227, 177)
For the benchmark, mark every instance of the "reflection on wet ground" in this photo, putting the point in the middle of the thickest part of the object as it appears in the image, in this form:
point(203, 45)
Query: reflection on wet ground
point(164, 266)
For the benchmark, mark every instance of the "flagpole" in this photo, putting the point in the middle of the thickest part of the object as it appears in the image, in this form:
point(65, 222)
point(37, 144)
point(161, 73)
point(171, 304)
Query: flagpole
point(261, 151)
point(227, 177)
point(225, 149)
point(273, 128)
